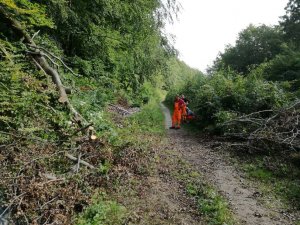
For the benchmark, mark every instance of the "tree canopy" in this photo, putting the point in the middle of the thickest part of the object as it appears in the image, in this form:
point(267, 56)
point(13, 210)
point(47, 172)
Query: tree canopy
point(291, 22)
point(254, 45)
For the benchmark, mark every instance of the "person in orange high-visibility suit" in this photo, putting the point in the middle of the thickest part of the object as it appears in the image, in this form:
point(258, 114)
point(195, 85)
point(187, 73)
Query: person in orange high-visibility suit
point(176, 118)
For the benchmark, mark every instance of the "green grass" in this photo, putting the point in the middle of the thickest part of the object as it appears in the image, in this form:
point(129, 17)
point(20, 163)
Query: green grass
point(210, 204)
point(142, 128)
point(136, 135)
point(149, 120)
point(257, 172)
point(282, 181)
point(103, 212)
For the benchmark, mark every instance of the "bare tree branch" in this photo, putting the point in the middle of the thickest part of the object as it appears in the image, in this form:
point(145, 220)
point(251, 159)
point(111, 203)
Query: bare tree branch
point(40, 59)
point(278, 130)
point(56, 57)
point(69, 156)
point(35, 34)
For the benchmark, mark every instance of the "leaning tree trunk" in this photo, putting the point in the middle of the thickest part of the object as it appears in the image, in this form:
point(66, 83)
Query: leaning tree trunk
point(39, 59)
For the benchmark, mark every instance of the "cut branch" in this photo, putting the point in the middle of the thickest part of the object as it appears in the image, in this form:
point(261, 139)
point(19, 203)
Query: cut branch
point(78, 163)
point(56, 57)
point(82, 129)
point(45, 55)
point(78, 160)
point(279, 130)
point(41, 62)
point(35, 34)
point(11, 203)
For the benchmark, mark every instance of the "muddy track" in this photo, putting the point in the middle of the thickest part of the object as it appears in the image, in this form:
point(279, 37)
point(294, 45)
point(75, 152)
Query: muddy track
point(220, 172)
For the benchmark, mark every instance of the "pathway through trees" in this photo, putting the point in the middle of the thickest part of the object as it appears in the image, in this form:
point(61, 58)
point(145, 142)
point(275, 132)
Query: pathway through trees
point(220, 172)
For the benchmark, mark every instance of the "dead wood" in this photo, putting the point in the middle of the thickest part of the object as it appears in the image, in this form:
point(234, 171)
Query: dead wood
point(41, 62)
point(10, 204)
point(123, 111)
point(281, 129)
point(69, 156)
point(54, 56)
point(82, 129)
point(78, 163)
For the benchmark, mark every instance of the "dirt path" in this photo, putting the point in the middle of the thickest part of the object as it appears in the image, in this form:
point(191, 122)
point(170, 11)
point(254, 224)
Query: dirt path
point(224, 177)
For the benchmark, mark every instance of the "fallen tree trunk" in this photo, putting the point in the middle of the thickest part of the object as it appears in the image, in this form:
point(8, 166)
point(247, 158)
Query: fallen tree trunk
point(42, 62)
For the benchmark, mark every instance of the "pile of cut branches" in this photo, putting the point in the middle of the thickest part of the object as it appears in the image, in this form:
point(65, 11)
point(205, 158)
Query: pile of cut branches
point(42, 183)
point(49, 183)
point(268, 129)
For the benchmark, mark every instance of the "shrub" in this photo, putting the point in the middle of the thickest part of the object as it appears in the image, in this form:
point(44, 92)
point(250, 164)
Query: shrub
point(226, 95)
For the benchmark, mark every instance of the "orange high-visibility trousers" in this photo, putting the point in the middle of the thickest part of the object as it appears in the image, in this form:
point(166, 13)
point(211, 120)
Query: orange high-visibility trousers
point(176, 118)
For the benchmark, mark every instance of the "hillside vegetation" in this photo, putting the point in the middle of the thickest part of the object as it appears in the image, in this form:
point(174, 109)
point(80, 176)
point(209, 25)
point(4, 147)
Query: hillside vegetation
point(65, 68)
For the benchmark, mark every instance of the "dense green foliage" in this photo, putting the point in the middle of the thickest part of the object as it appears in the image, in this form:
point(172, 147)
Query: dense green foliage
point(291, 22)
point(27, 98)
point(226, 95)
point(254, 46)
point(117, 42)
point(118, 54)
point(261, 72)
point(116, 47)
point(179, 73)
point(285, 68)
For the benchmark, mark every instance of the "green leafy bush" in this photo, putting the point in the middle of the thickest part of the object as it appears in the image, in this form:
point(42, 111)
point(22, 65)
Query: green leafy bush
point(226, 95)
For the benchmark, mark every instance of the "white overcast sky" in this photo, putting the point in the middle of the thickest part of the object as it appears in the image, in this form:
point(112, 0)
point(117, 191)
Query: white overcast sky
point(206, 26)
